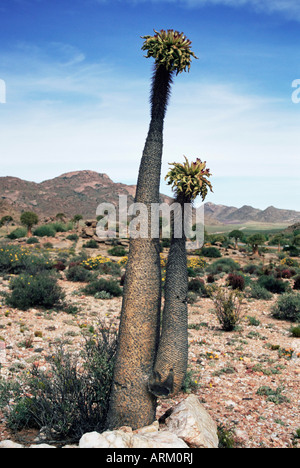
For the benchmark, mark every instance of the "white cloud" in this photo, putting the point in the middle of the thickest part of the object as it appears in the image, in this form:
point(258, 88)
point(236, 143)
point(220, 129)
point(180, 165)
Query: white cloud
point(290, 8)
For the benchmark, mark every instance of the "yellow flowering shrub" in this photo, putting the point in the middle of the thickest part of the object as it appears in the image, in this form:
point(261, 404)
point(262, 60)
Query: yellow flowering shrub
point(288, 261)
point(196, 262)
point(93, 263)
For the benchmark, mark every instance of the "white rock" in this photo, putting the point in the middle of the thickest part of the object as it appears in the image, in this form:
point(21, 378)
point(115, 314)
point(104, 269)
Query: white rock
point(154, 427)
point(108, 439)
point(118, 439)
point(93, 440)
point(190, 421)
point(160, 439)
point(34, 446)
point(10, 444)
point(146, 437)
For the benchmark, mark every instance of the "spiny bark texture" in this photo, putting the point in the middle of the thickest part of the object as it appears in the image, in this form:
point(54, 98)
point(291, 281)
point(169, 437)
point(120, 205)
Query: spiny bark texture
point(131, 403)
point(172, 357)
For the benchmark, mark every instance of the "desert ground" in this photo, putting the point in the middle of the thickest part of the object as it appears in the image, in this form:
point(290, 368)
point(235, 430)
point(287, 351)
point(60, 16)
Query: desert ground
point(228, 371)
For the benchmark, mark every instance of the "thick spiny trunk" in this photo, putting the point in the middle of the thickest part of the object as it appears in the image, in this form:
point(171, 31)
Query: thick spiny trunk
point(131, 403)
point(172, 357)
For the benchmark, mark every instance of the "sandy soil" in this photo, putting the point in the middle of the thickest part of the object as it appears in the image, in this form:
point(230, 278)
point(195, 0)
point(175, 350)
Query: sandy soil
point(227, 368)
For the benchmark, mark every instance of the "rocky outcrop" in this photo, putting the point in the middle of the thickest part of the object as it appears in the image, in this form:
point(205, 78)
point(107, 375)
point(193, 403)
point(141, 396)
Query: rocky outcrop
point(147, 437)
point(192, 423)
point(186, 425)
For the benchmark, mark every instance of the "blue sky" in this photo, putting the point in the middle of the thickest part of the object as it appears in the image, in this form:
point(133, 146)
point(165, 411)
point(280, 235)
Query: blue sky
point(77, 92)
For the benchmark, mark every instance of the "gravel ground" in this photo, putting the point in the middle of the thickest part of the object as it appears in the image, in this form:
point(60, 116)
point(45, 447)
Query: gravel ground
point(227, 369)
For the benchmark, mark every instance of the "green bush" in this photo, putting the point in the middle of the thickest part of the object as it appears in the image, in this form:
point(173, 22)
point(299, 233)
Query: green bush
point(287, 307)
point(117, 251)
point(228, 307)
point(32, 240)
point(91, 244)
point(45, 231)
point(191, 272)
point(28, 291)
point(197, 286)
point(73, 237)
point(274, 285)
point(17, 233)
point(295, 331)
point(297, 283)
point(110, 286)
point(275, 396)
point(61, 227)
point(258, 292)
point(71, 398)
point(79, 273)
point(293, 251)
point(103, 295)
point(15, 259)
point(211, 252)
point(226, 265)
point(252, 269)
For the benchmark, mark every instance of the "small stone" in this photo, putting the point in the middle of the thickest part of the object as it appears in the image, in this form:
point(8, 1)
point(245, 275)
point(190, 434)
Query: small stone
point(34, 446)
point(10, 444)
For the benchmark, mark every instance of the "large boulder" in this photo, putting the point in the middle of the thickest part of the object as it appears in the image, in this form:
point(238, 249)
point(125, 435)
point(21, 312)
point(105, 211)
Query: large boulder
point(125, 437)
point(190, 421)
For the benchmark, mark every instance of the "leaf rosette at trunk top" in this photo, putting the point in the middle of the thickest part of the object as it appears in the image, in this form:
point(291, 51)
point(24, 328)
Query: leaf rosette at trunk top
point(189, 180)
point(171, 49)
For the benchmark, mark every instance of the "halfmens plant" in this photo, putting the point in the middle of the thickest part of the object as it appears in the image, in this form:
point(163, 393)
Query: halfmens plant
point(188, 180)
point(131, 403)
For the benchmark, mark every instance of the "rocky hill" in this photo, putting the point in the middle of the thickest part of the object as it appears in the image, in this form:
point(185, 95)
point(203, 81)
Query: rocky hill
point(80, 192)
point(232, 215)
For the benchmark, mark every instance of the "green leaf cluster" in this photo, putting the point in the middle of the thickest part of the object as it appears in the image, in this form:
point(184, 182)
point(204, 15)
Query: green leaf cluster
point(169, 48)
point(189, 179)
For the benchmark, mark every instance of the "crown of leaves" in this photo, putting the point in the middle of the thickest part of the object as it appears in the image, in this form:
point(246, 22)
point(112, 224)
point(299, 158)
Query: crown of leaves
point(190, 179)
point(169, 48)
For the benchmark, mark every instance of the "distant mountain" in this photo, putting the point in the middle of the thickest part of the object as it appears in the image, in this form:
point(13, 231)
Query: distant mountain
point(232, 215)
point(80, 192)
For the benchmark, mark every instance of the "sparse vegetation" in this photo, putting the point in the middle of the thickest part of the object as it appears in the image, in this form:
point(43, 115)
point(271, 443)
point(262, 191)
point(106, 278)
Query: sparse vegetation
point(287, 307)
point(109, 286)
point(236, 281)
point(91, 244)
point(17, 233)
point(28, 291)
point(102, 278)
point(274, 395)
point(79, 273)
point(117, 251)
point(211, 252)
point(69, 399)
point(228, 308)
point(274, 285)
point(223, 265)
point(259, 292)
point(45, 230)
